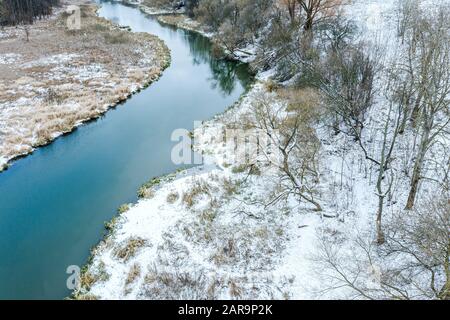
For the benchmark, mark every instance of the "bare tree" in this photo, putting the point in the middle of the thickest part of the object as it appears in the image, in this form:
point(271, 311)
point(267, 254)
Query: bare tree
point(394, 93)
point(291, 6)
point(314, 10)
point(407, 11)
point(236, 22)
point(289, 129)
point(337, 32)
point(348, 83)
point(430, 75)
point(386, 154)
point(422, 239)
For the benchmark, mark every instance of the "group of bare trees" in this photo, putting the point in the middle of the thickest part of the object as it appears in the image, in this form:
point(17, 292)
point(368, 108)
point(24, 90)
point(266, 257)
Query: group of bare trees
point(311, 46)
point(412, 264)
point(427, 42)
point(418, 90)
point(236, 23)
point(308, 13)
point(14, 12)
point(414, 243)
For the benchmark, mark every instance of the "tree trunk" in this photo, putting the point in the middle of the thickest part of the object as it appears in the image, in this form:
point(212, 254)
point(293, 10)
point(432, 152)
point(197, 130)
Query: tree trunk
point(308, 23)
point(417, 172)
point(416, 111)
point(291, 8)
point(406, 113)
point(336, 127)
point(380, 233)
point(296, 183)
point(445, 292)
point(413, 191)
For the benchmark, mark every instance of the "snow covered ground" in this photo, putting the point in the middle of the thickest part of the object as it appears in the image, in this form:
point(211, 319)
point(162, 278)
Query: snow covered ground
point(210, 232)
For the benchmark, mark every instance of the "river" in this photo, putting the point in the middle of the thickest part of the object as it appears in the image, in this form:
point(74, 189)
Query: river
point(53, 203)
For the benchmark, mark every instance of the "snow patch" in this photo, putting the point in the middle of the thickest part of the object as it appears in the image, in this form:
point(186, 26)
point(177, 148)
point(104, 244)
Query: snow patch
point(9, 58)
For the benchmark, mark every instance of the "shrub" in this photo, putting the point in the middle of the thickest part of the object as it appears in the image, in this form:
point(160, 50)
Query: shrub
point(123, 208)
point(199, 188)
point(172, 197)
point(116, 38)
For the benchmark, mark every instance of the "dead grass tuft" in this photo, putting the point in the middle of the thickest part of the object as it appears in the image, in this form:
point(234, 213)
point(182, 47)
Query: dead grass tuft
point(129, 248)
point(172, 197)
point(87, 279)
point(199, 188)
point(123, 208)
point(133, 274)
point(164, 284)
point(230, 187)
point(145, 193)
point(117, 38)
point(88, 297)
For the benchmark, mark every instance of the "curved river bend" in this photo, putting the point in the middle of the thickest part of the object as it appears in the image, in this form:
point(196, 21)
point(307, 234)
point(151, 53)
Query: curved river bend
point(53, 203)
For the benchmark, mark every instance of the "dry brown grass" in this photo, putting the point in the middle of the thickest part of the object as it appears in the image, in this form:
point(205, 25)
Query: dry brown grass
point(230, 186)
point(133, 274)
point(198, 189)
point(87, 279)
point(88, 297)
point(117, 38)
point(45, 70)
point(172, 197)
point(145, 193)
point(176, 284)
point(123, 208)
point(235, 290)
point(128, 249)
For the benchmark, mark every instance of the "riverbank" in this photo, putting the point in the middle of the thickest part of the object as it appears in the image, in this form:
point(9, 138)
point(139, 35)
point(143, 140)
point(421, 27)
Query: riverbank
point(206, 233)
point(60, 78)
point(203, 233)
point(182, 21)
point(234, 230)
point(217, 231)
point(179, 19)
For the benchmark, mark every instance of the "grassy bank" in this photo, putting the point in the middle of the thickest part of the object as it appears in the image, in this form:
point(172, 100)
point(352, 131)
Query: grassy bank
point(60, 78)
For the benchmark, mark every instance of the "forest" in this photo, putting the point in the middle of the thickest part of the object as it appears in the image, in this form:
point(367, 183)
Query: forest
point(14, 12)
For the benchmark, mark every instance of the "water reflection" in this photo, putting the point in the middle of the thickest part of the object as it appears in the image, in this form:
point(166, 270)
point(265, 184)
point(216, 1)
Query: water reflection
point(224, 74)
